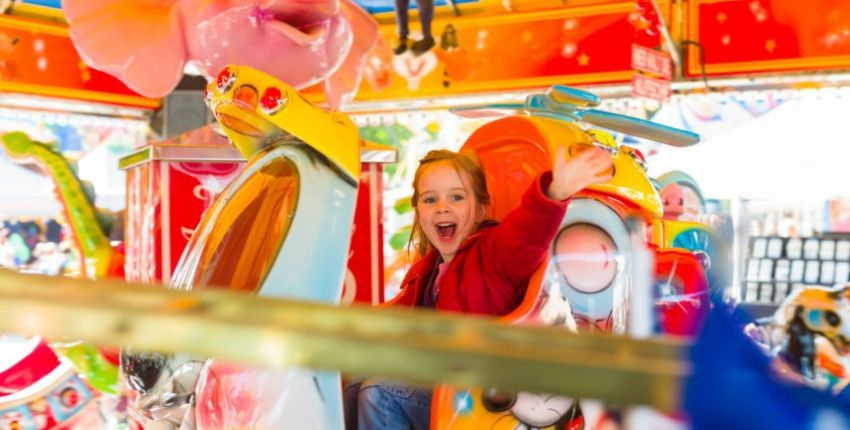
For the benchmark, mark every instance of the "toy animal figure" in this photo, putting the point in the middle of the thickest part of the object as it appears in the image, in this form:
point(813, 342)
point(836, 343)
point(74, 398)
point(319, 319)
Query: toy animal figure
point(674, 201)
point(684, 226)
point(815, 340)
point(281, 228)
point(534, 411)
point(299, 42)
point(587, 282)
point(683, 199)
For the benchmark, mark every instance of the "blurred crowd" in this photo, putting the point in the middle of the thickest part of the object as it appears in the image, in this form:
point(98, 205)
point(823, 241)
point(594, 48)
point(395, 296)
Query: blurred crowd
point(37, 246)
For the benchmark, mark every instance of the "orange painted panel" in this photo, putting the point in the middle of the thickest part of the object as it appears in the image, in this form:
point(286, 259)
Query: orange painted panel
point(581, 45)
point(38, 58)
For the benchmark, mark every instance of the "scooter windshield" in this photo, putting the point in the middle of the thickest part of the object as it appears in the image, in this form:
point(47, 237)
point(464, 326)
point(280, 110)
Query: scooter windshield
point(250, 228)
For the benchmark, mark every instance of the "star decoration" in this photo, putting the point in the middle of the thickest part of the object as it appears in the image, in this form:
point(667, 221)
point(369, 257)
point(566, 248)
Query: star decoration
point(721, 17)
point(770, 45)
point(583, 60)
point(85, 74)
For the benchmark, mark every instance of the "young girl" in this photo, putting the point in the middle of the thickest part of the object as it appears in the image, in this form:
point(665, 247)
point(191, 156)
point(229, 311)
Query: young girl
point(469, 264)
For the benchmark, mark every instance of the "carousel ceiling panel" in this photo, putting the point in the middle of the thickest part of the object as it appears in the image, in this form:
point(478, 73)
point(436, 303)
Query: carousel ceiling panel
point(37, 57)
point(583, 43)
point(740, 36)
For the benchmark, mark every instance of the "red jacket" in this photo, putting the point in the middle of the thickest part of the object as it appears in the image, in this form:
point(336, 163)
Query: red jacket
point(490, 271)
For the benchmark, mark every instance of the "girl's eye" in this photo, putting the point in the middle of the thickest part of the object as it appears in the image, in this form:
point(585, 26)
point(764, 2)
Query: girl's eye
point(429, 200)
point(457, 197)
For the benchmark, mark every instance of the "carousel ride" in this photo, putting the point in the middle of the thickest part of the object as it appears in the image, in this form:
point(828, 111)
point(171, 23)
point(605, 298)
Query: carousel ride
point(281, 228)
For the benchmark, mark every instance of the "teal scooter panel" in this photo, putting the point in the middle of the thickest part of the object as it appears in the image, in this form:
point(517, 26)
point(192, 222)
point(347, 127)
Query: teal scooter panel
point(236, 247)
point(311, 264)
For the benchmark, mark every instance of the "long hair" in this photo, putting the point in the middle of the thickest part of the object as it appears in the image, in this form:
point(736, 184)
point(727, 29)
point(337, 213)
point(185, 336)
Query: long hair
point(466, 165)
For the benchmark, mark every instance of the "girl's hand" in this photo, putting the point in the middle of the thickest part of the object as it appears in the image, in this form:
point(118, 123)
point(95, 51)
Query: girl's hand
point(591, 166)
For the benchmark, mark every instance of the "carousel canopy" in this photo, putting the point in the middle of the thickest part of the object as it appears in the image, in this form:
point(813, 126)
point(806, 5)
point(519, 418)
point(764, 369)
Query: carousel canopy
point(796, 151)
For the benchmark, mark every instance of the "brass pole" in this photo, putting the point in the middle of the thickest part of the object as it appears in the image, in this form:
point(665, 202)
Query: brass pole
point(416, 346)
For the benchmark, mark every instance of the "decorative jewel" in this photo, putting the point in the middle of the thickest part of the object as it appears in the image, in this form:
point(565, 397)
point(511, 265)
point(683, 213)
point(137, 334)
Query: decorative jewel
point(225, 80)
point(272, 101)
point(463, 403)
point(604, 140)
point(637, 156)
point(247, 96)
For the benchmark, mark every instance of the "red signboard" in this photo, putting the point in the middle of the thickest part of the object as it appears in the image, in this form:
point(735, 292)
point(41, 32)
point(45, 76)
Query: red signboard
point(644, 86)
point(651, 61)
point(166, 197)
point(364, 279)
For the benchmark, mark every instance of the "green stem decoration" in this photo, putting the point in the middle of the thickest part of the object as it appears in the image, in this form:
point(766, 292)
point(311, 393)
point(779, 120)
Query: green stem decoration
point(80, 212)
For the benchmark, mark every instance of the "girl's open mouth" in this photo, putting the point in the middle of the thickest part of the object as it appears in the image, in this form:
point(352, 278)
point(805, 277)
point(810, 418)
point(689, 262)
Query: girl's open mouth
point(446, 230)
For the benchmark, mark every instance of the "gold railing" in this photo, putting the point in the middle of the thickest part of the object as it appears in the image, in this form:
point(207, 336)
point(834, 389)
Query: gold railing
point(417, 346)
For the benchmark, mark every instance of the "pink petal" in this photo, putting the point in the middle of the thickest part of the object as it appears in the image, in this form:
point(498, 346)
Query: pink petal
point(297, 56)
point(116, 36)
point(342, 85)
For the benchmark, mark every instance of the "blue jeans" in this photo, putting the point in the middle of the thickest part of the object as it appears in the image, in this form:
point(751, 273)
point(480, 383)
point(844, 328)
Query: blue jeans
point(387, 405)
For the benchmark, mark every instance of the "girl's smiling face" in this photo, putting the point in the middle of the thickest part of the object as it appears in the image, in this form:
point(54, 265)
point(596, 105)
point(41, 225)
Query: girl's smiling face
point(447, 209)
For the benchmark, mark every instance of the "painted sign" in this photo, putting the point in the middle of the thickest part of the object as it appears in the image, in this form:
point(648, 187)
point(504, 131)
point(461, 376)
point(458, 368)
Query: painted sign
point(644, 86)
point(651, 61)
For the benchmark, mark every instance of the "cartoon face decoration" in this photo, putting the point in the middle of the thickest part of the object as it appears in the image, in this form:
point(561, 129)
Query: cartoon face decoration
point(674, 201)
point(682, 197)
point(693, 207)
point(541, 410)
point(535, 410)
point(413, 68)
